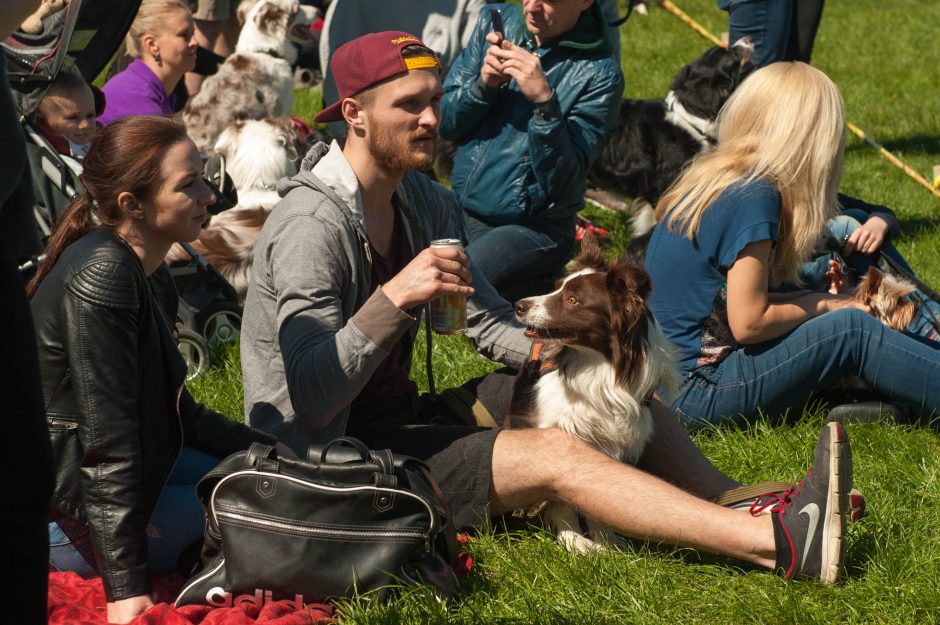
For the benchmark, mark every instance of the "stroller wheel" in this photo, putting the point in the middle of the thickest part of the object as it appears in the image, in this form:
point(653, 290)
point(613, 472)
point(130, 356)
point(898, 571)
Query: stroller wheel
point(220, 323)
point(194, 351)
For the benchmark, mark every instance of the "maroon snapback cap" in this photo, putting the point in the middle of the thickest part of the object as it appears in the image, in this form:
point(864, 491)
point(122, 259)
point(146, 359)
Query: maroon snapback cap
point(370, 59)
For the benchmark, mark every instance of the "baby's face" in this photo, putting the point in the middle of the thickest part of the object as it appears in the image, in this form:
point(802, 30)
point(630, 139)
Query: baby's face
point(71, 115)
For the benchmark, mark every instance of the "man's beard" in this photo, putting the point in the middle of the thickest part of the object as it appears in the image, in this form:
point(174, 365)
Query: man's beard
point(395, 153)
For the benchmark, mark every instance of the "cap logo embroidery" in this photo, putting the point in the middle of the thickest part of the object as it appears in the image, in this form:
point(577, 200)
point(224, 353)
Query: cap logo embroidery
point(403, 39)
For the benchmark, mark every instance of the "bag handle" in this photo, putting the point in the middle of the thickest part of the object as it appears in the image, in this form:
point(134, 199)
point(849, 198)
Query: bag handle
point(260, 456)
point(355, 443)
point(383, 459)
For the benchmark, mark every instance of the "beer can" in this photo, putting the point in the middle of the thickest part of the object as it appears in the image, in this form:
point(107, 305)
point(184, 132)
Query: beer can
point(449, 312)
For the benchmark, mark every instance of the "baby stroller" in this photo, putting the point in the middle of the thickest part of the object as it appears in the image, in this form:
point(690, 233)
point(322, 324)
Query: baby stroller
point(84, 36)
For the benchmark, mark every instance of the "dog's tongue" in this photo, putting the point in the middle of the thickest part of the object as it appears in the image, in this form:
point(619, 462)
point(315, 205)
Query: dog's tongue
point(300, 32)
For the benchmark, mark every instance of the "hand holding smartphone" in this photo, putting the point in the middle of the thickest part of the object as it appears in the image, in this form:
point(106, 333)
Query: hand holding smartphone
point(497, 20)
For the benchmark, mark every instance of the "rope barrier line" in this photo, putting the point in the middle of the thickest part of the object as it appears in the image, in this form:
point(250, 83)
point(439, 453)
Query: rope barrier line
point(894, 160)
point(669, 6)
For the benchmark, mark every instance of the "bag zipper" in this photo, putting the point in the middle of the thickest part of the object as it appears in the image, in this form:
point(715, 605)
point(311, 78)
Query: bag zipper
point(214, 512)
point(287, 527)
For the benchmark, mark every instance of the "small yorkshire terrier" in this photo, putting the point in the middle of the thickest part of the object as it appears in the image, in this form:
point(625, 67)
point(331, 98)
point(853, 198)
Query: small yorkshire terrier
point(888, 298)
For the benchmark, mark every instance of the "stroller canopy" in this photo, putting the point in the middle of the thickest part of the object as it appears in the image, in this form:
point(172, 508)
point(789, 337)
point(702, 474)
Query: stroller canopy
point(84, 35)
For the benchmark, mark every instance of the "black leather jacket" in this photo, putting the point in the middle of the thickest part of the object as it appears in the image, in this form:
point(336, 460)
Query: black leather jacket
point(117, 409)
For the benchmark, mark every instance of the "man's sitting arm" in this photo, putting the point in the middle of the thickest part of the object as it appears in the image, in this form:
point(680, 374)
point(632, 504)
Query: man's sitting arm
point(329, 353)
point(562, 145)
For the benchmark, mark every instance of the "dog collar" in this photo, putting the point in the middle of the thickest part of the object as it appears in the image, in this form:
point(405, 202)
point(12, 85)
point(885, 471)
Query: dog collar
point(704, 130)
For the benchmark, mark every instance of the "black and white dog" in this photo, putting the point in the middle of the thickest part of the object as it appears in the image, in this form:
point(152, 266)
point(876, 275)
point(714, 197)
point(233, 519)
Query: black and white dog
point(656, 138)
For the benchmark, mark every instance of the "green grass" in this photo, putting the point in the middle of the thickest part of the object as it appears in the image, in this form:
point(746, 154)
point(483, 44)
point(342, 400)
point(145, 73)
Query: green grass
point(884, 57)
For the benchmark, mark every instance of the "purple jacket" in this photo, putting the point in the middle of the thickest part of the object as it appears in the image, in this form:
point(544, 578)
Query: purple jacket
point(135, 91)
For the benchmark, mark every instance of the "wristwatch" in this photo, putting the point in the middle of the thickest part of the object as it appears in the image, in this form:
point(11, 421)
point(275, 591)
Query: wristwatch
point(546, 110)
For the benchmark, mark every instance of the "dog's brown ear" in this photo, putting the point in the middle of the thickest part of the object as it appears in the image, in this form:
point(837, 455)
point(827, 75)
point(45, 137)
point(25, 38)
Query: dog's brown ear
point(269, 15)
point(903, 315)
point(869, 284)
point(629, 316)
point(591, 256)
point(629, 277)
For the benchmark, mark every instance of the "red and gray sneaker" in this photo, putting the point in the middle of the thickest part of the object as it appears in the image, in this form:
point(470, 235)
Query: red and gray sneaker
point(809, 519)
point(753, 495)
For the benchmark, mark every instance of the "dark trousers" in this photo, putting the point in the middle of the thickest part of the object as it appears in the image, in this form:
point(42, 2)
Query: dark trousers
point(26, 461)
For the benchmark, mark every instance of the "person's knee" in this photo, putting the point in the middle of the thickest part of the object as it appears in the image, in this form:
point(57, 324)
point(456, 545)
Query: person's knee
point(556, 456)
point(845, 224)
point(851, 326)
point(854, 216)
point(855, 317)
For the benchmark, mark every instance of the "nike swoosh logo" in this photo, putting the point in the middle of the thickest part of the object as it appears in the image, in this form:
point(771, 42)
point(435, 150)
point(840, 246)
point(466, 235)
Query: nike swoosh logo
point(812, 511)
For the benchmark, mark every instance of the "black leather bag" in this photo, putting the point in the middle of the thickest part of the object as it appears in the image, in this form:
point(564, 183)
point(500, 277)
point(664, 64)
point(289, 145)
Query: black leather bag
point(347, 519)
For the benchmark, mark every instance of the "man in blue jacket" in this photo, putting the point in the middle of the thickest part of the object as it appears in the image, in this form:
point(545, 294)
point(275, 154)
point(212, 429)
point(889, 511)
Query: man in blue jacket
point(530, 109)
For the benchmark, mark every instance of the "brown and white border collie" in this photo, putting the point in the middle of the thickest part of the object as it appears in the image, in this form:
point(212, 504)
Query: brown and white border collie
point(604, 358)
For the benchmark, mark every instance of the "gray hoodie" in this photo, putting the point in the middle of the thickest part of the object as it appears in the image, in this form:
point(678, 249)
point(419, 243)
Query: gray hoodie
point(313, 332)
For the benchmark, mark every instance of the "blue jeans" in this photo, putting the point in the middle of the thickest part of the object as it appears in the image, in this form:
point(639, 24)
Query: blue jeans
point(814, 277)
point(784, 373)
point(517, 260)
point(766, 21)
point(177, 522)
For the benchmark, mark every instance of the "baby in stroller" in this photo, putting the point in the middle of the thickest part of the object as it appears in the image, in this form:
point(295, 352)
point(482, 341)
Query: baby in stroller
point(49, 72)
point(66, 114)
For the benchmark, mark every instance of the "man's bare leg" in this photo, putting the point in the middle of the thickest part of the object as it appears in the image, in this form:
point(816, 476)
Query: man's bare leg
point(673, 456)
point(530, 466)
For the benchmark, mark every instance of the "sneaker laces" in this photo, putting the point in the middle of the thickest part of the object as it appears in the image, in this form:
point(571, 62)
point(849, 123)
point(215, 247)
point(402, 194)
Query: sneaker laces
point(778, 501)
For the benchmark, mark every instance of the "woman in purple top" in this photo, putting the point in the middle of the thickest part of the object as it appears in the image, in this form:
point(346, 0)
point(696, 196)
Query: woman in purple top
point(164, 49)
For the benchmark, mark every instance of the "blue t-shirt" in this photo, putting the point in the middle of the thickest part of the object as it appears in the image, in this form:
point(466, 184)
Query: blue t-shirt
point(689, 276)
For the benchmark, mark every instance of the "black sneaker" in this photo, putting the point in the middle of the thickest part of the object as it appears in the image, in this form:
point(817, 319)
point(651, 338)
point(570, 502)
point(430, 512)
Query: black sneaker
point(809, 519)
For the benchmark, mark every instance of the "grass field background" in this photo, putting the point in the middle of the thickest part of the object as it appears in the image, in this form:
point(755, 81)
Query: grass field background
point(885, 57)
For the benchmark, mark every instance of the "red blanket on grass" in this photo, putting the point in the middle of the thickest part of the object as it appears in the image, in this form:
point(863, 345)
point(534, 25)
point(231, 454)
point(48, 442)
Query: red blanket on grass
point(77, 601)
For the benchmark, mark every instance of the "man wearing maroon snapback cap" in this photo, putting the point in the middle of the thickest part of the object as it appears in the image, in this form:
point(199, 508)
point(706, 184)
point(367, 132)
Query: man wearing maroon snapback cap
point(343, 266)
point(341, 272)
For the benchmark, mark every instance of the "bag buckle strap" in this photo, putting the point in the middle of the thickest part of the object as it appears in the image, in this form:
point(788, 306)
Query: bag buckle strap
point(384, 500)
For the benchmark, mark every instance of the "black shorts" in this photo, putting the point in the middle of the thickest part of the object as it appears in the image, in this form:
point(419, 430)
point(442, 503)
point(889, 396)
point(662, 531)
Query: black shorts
point(460, 456)
point(460, 459)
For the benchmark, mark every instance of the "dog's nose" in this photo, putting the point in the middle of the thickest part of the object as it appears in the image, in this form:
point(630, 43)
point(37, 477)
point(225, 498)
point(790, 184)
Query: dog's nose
point(522, 307)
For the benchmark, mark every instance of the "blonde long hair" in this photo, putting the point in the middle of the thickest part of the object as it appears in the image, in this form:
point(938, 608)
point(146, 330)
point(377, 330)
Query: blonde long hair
point(151, 18)
point(785, 124)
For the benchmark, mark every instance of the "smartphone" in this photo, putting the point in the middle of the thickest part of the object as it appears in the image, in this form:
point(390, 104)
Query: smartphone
point(497, 22)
